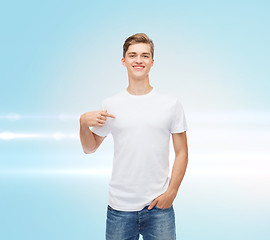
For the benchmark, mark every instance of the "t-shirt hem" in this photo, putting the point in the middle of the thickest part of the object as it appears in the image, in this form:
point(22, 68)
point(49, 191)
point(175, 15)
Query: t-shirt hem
point(134, 209)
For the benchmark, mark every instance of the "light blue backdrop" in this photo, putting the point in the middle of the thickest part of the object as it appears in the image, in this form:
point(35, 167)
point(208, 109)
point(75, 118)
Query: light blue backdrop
point(59, 59)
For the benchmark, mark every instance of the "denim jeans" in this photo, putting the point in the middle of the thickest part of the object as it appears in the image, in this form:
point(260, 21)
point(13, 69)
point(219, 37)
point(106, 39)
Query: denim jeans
point(154, 224)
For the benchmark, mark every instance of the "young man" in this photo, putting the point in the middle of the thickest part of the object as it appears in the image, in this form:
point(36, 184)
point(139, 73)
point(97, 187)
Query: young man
point(140, 119)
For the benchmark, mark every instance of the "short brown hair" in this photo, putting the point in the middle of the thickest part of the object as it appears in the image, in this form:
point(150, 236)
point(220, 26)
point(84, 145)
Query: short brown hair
point(138, 38)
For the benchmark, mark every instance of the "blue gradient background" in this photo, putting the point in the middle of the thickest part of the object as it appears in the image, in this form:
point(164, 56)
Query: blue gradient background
point(59, 59)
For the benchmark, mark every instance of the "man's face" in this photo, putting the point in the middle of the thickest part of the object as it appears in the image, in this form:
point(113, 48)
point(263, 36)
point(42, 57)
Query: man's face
point(138, 60)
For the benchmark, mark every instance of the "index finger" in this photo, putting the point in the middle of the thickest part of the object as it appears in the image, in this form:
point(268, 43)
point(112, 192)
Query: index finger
point(107, 114)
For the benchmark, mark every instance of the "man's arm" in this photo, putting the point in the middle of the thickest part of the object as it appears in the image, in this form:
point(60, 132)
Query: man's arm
point(180, 162)
point(166, 199)
point(87, 138)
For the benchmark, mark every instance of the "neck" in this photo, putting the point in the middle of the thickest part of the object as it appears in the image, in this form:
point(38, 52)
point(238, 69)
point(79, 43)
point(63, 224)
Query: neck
point(139, 86)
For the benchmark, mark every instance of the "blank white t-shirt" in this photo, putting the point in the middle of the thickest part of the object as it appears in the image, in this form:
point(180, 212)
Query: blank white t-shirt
point(141, 132)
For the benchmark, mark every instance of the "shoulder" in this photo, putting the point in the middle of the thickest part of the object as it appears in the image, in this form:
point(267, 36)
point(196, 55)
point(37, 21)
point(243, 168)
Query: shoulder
point(169, 98)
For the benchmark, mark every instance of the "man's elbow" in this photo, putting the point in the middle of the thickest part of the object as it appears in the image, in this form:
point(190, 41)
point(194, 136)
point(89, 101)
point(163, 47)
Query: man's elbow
point(89, 151)
point(182, 154)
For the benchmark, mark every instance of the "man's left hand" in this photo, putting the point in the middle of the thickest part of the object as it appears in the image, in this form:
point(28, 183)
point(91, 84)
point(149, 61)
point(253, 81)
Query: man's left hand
point(164, 200)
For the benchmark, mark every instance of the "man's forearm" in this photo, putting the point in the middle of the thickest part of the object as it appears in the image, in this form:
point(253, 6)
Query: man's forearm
point(178, 172)
point(88, 140)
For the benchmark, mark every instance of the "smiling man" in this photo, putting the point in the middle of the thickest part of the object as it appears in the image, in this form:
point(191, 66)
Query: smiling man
point(140, 119)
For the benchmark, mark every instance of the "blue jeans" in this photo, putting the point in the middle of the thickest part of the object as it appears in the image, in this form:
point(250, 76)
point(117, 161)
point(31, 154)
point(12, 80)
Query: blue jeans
point(154, 224)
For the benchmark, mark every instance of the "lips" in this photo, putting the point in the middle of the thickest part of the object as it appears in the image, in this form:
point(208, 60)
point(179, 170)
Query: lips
point(138, 67)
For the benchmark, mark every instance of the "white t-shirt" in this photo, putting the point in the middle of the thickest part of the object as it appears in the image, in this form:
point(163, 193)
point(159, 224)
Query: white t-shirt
point(141, 132)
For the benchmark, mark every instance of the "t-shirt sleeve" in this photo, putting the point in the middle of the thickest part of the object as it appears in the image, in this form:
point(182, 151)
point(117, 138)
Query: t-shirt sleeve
point(179, 123)
point(105, 129)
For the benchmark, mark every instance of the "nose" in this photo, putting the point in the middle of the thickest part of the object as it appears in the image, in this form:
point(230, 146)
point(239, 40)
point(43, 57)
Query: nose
point(138, 59)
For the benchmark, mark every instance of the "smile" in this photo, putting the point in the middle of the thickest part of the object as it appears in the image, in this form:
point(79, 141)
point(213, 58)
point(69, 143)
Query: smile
point(139, 68)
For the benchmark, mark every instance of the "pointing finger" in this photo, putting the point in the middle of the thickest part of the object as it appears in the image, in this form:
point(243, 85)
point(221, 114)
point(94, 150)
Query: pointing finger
point(107, 114)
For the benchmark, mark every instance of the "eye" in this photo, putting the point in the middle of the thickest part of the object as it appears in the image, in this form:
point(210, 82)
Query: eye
point(146, 56)
point(132, 55)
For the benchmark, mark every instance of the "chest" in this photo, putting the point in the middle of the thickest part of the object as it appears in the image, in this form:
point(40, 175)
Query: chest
point(141, 117)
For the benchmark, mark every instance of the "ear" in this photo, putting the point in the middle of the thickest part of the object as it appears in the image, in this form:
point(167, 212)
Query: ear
point(123, 61)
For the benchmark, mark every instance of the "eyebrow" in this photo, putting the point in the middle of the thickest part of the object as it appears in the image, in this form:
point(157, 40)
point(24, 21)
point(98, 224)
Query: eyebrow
point(142, 53)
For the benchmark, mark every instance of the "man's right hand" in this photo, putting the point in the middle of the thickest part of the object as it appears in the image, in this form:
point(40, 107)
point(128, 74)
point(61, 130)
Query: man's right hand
point(95, 118)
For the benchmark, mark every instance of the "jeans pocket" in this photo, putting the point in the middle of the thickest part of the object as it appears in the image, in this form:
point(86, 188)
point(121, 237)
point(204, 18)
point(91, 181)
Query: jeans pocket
point(162, 208)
